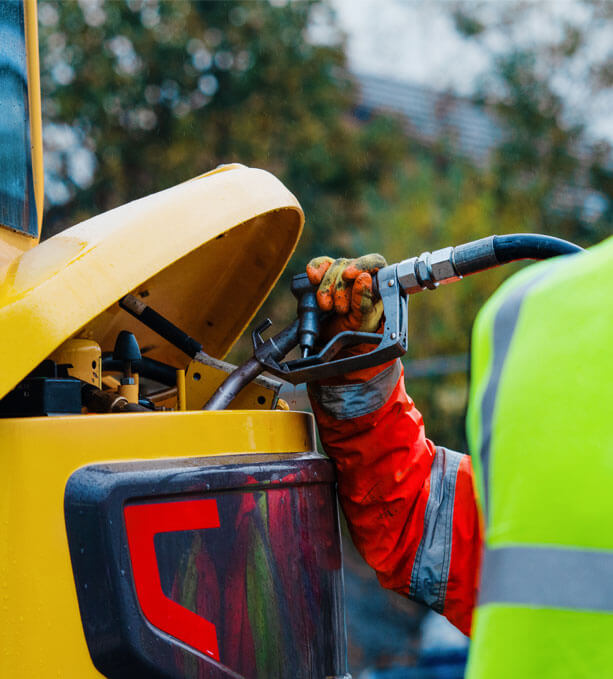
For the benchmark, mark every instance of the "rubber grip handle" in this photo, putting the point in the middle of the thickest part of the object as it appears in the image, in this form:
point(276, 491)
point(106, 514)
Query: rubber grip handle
point(162, 326)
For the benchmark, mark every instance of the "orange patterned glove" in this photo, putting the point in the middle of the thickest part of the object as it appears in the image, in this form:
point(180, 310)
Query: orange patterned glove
point(345, 286)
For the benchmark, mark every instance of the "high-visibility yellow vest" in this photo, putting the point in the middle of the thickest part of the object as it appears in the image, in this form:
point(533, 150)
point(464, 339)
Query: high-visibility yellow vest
point(540, 427)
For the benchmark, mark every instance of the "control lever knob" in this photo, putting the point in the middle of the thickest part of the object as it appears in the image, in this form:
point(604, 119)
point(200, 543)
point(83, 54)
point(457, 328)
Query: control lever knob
point(127, 351)
point(126, 348)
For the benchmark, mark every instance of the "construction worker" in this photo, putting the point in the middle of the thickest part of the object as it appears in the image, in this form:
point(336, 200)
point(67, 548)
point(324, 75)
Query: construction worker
point(514, 544)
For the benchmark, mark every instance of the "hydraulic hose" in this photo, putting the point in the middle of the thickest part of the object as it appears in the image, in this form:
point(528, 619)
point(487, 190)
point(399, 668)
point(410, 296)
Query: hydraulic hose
point(146, 367)
point(99, 401)
point(233, 384)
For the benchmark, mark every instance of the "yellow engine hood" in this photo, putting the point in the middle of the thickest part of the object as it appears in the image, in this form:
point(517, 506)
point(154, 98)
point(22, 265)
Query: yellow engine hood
point(205, 254)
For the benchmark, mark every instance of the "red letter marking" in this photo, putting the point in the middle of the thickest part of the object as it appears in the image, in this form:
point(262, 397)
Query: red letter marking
point(143, 522)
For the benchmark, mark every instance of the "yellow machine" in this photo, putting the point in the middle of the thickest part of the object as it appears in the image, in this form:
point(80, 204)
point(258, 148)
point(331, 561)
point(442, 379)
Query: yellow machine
point(140, 535)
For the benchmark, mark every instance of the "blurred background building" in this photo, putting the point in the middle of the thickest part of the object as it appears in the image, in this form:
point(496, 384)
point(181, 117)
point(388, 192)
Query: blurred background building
point(400, 126)
point(431, 116)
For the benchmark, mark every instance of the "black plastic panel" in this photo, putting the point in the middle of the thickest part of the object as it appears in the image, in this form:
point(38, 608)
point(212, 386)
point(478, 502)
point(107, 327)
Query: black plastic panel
point(42, 396)
point(209, 567)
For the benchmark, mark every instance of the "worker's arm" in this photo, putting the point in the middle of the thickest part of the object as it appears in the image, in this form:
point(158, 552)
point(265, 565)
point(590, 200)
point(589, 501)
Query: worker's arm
point(410, 505)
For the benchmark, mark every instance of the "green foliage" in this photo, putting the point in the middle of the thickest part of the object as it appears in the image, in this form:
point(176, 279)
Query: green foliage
point(551, 173)
point(164, 91)
point(430, 205)
point(540, 179)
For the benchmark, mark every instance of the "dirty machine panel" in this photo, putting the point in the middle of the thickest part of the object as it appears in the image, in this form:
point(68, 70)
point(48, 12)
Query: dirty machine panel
point(205, 567)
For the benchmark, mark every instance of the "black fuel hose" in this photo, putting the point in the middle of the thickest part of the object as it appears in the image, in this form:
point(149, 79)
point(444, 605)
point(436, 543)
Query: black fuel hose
point(531, 246)
point(492, 251)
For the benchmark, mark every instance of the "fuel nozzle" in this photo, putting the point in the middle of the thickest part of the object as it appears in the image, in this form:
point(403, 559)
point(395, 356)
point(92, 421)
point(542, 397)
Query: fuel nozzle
point(308, 313)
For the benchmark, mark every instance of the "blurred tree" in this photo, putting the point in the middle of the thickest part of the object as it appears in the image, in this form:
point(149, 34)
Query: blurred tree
point(147, 94)
point(161, 91)
point(432, 204)
point(552, 172)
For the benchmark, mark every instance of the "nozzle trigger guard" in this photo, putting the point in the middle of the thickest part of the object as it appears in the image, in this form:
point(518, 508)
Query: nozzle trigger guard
point(256, 336)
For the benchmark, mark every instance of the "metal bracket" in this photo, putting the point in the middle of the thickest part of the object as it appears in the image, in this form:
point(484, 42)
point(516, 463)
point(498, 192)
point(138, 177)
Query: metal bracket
point(204, 374)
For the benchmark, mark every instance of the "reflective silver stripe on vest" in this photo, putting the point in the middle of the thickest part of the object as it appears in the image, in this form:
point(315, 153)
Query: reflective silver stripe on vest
point(431, 567)
point(548, 577)
point(504, 327)
point(346, 401)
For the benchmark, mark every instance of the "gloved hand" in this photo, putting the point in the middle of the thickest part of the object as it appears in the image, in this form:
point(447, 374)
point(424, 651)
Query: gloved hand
point(345, 286)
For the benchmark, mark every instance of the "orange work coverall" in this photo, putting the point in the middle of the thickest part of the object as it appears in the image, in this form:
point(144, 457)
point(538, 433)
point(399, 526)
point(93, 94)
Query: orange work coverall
point(410, 504)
